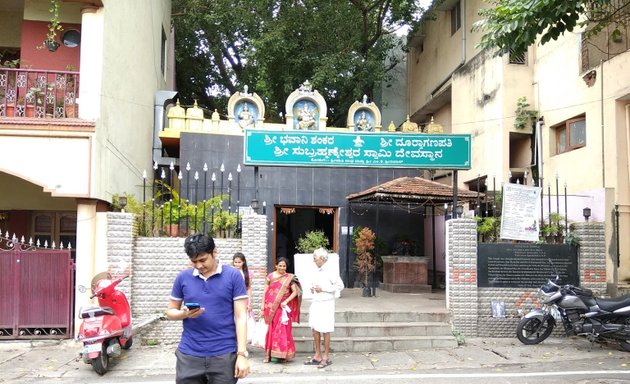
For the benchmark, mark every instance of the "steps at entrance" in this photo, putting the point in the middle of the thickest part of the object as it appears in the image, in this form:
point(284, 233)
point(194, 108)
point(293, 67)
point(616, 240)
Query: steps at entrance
point(381, 331)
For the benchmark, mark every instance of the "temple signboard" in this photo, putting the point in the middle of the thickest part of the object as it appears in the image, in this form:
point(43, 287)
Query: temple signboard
point(357, 149)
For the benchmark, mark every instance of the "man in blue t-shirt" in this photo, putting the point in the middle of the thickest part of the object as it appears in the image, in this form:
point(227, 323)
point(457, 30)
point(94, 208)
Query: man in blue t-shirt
point(213, 348)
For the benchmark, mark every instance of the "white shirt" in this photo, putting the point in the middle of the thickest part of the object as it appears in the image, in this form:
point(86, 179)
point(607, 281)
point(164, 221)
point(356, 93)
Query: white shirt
point(329, 282)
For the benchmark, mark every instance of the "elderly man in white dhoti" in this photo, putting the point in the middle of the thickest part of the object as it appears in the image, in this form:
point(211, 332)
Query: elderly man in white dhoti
point(321, 315)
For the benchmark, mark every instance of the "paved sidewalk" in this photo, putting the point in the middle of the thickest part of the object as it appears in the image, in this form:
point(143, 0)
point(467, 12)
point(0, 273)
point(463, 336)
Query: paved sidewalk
point(57, 361)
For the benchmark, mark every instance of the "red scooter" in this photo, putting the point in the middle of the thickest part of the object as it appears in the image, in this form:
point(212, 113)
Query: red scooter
point(106, 328)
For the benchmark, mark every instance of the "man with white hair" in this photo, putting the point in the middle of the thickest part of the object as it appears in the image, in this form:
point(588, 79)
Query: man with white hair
point(321, 315)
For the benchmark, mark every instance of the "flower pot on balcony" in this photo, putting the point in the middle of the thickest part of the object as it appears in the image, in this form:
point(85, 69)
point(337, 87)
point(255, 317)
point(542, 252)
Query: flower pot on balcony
point(10, 112)
point(51, 45)
point(29, 111)
point(70, 110)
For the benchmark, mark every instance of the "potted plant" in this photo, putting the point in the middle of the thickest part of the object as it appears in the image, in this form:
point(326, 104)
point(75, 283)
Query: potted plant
point(312, 240)
point(7, 93)
point(224, 223)
point(54, 25)
point(142, 212)
point(364, 244)
point(171, 209)
point(488, 228)
point(553, 230)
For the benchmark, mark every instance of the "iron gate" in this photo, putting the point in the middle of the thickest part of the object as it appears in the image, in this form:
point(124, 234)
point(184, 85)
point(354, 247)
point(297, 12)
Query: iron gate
point(36, 292)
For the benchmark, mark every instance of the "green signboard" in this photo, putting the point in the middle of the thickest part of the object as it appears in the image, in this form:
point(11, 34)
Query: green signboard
point(357, 149)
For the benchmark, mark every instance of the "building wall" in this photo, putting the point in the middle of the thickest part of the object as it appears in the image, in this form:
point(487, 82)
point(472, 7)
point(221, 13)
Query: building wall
point(482, 99)
point(130, 74)
point(471, 306)
point(155, 262)
point(442, 52)
point(297, 186)
point(10, 27)
point(563, 94)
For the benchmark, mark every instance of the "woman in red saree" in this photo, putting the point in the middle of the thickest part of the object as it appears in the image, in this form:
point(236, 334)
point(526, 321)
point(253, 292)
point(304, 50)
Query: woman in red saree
point(282, 291)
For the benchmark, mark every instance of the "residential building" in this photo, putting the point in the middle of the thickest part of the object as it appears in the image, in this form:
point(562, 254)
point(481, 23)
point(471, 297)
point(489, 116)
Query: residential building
point(77, 123)
point(578, 89)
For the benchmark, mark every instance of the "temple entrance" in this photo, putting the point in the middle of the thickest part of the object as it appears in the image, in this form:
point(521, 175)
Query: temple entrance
point(292, 222)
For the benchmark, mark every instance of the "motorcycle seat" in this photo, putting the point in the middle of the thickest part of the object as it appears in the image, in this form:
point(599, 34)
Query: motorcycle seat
point(96, 311)
point(614, 303)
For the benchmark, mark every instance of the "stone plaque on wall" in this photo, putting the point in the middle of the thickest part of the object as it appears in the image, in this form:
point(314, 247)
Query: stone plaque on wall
point(520, 265)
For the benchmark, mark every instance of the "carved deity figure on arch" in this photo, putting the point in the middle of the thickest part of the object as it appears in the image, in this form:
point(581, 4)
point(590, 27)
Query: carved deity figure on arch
point(246, 117)
point(306, 117)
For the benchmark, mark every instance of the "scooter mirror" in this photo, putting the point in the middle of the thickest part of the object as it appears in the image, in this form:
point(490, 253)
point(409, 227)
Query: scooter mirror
point(81, 288)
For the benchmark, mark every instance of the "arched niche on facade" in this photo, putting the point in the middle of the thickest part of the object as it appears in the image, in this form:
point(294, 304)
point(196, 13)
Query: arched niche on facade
point(246, 110)
point(306, 109)
point(364, 116)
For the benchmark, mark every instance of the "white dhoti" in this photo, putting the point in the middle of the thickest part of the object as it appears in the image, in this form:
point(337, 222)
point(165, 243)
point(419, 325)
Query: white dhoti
point(321, 316)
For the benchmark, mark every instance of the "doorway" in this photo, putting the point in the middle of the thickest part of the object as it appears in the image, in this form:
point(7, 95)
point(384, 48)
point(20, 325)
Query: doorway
point(292, 222)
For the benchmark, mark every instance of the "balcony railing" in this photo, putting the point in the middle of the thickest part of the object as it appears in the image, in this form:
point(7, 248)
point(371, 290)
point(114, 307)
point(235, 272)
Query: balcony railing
point(38, 94)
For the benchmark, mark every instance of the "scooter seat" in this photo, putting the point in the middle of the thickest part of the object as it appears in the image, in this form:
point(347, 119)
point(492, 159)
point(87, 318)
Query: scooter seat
point(96, 311)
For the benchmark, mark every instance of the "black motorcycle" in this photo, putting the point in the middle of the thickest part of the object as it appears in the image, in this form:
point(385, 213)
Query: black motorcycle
point(582, 314)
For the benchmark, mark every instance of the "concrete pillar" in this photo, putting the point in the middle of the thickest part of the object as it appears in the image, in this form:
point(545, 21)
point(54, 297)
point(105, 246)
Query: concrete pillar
point(254, 238)
point(461, 274)
point(85, 251)
point(92, 26)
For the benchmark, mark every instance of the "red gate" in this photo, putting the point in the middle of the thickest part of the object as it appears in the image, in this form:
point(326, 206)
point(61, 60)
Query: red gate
point(36, 292)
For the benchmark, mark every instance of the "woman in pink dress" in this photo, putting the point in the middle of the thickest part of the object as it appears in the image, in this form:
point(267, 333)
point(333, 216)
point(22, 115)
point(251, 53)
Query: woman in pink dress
point(281, 307)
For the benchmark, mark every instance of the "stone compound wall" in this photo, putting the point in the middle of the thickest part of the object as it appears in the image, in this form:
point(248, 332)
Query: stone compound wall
point(120, 239)
point(461, 271)
point(471, 306)
point(154, 262)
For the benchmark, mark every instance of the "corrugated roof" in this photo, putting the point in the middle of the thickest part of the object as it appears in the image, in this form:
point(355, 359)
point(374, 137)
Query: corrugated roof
point(416, 189)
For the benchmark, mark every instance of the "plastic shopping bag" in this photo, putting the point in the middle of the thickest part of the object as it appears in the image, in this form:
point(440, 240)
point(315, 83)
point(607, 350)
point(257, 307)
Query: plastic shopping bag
point(251, 325)
point(284, 319)
point(260, 334)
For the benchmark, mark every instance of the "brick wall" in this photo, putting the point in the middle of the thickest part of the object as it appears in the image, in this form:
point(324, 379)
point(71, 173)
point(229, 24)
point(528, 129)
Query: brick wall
point(155, 261)
point(461, 254)
point(120, 239)
point(471, 306)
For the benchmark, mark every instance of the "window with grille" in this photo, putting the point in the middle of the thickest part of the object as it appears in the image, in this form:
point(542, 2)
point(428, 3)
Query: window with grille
point(518, 58)
point(57, 227)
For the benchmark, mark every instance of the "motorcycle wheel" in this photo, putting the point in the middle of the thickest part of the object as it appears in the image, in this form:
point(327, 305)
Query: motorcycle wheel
point(128, 344)
point(532, 331)
point(101, 363)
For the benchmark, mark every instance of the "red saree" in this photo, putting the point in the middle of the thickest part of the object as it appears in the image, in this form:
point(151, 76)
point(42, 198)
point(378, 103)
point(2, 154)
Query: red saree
point(279, 341)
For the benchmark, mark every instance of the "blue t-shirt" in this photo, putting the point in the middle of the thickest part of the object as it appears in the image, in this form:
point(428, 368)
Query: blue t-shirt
point(213, 333)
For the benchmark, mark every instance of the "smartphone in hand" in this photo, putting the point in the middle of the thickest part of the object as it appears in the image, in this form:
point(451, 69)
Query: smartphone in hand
point(192, 306)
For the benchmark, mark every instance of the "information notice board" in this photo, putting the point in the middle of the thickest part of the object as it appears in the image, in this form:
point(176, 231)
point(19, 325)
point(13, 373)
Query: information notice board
point(521, 265)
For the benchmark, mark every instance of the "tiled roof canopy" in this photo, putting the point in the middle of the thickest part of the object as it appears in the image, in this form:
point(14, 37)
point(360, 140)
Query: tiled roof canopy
point(413, 190)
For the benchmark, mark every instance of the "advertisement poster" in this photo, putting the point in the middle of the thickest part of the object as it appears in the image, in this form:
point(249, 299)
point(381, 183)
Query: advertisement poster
point(521, 212)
